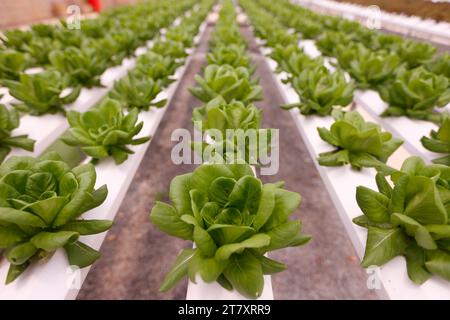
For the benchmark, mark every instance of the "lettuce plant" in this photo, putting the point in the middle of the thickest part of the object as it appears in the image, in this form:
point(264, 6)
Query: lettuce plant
point(42, 92)
point(231, 83)
point(220, 115)
point(328, 42)
point(439, 64)
point(125, 41)
point(226, 33)
point(156, 67)
point(319, 90)
point(297, 63)
point(39, 50)
point(68, 37)
point(308, 28)
point(83, 66)
point(105, 49)
point(182, 35)
point(169, 48)
point(388, 42)
point(9, 120)
point(105, 131)
point(415, 93)
point(360, 143)
point(43, 30)
point(415, 53)
point(16, 39)
point(134, 92)
point(281, 54)
point(281, 37)
point(233, 55)
point(368, 68)
point(409, 219)
point(234, 220)
point(12, 63)
point(439, 142)
point(41, 203)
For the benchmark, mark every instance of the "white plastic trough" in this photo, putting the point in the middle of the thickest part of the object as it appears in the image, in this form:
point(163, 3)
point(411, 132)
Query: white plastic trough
point(55, 279)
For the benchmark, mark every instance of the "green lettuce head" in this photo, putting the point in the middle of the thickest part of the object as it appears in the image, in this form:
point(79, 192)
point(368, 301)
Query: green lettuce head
point(228, 82)
point(41, 93)
point(105, 131)
point(360, 143)
point(369, 68)
point(320, 90)
point(41, 202)
point(415, 93)
point(137, 92)
point(234, 220)
point(410, 219)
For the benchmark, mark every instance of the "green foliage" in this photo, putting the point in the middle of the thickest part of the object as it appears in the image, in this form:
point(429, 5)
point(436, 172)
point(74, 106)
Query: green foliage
point(228, 82)
point(134, 92)
point(439, 142)
point(439, 64)
point(360, 143)
point(328, 42)
point(105, 131)
point(369, 68)
point(41, 93)
point(415, 53)
point(9, 120)
point(169, 48)
point(415, 93)
point(233, 55)
point(156, 67)
point(41, 203)
point(220, 115)
point(409, 219)
point(83, 66)
point(320, 90)
point(12, 63)
point(233, 219)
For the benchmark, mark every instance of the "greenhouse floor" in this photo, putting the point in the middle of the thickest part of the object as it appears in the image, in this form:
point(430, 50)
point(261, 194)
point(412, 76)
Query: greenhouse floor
point(135, 255)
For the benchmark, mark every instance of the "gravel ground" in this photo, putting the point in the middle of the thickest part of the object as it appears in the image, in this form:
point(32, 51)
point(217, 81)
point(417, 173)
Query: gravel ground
point(135, 255)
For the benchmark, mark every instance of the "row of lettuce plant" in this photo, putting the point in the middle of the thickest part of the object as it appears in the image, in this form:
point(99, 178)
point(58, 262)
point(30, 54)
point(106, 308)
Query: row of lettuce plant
point(109, 130)
point(408, 216)
point(75, 58)
point(232, 218)
point(84, 53)
point(409, 76)
point(400, 70)
point(43, 199)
